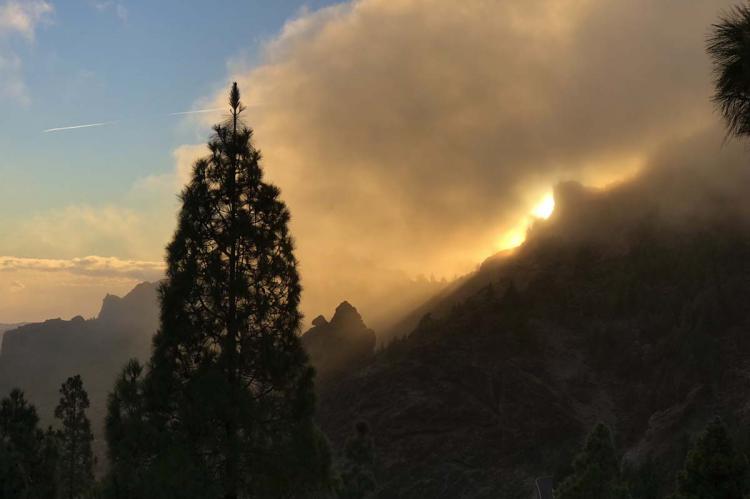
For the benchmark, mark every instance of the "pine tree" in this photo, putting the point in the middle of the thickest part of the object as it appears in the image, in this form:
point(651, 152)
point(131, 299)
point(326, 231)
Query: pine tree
point(230, 387)
point(713, 469)
point(130, 438)
point(358, 468)
point(49, 484)
point(24, 463)
point(596, 471)
point(76, 456)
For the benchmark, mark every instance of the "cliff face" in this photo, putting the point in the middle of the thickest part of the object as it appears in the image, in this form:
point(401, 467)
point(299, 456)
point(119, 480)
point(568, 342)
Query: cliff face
point(340, 346)
point(137, 310)
point(4, 328)
point(612, 311)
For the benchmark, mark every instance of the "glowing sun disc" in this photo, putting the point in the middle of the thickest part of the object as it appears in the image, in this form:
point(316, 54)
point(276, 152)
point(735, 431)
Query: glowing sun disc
point(545, 207)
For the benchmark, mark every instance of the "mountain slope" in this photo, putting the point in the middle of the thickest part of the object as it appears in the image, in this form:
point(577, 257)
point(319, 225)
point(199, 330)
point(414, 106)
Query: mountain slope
point(613, 310)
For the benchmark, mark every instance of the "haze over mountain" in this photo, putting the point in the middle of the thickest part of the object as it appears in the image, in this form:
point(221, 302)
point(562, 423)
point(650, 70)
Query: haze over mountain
point(627, 306)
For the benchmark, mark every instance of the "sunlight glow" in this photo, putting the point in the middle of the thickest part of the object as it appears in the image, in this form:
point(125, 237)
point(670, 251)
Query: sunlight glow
point(545, 207)
point(516, 236)
point(511, 239)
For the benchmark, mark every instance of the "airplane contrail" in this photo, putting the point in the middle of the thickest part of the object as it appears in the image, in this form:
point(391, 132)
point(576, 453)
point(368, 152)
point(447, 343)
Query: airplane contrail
point(197, 111)
point(104, 123)
point(74, 127)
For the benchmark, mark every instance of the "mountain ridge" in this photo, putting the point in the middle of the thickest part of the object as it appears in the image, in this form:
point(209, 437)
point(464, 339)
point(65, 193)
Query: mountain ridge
point(613, 310)
point(39, 357)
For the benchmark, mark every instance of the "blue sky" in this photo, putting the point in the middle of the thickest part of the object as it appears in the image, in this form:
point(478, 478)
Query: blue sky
point(133, 61)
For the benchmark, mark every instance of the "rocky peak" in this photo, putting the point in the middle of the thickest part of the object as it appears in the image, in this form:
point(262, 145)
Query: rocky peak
point(343, 344)
point(347, 317)
point(134, 309)
point(319, 321)
point(110, 307)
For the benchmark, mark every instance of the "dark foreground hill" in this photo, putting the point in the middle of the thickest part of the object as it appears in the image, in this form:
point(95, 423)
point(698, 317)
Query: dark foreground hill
point(38, 358)
point(614, 310)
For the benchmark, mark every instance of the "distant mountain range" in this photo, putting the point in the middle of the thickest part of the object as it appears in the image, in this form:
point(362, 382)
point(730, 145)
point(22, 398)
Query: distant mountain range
point(7, 327)
point(39, 357)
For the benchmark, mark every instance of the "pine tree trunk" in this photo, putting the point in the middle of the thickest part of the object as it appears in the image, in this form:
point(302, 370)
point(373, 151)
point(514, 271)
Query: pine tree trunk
point(231, 464)
point(71, 469)
point(232, 457)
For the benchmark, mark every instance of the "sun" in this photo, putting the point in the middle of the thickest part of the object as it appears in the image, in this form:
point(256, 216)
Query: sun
point(516, 236)
point(545, 207)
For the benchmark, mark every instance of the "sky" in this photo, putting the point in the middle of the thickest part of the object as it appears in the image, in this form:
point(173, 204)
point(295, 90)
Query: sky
point(409, 137)
point(70, 195)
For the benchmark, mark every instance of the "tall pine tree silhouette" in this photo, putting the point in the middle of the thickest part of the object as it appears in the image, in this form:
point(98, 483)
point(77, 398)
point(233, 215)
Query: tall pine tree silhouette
point(76, 456)
point(230, 385)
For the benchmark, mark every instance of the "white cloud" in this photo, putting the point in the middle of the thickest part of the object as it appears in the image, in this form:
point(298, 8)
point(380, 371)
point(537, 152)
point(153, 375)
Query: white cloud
point(12, 86)
point(87, 265)
point(122, 12)
point(172, 182)
point(138, 232)
point(135, 227)
point(110, 5)
point(421, 131)
point(22, 17)
point(18, 18)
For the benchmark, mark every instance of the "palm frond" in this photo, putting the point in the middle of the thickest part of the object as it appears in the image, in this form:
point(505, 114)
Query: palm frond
point(729, 47)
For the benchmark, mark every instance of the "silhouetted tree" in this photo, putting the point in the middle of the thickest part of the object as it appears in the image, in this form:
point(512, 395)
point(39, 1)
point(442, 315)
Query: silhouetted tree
point(230, 388)
point(49, 485)
point(358, 467)
point(130, 438)
point(76, 457)
point(713, 469)
point(26, 466)
point(645, 480)
point(596, 470)
point(729, 47)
